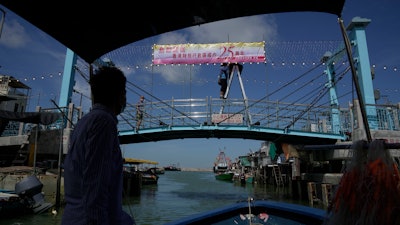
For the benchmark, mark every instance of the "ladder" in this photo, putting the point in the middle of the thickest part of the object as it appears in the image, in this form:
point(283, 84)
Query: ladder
point(246, 101)
point(277, 175)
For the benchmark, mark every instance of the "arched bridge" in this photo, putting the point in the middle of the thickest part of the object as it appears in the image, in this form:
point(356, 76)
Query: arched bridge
point(232, 118)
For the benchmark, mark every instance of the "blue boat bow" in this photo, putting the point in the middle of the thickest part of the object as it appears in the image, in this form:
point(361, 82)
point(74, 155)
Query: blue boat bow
point(259, 212)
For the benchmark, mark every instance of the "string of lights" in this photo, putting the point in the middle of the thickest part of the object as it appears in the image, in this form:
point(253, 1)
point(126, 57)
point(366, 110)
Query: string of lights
point(280, 56)
point(389, 70)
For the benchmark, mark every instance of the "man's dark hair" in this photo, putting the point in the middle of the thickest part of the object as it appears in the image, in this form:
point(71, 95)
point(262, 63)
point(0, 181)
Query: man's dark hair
point(106, 85)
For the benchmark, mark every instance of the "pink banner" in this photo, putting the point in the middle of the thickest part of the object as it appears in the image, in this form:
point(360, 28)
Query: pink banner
point(239, 52)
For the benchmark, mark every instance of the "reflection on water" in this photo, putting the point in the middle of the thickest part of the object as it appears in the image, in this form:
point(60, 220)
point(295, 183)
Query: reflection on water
point(179, 194)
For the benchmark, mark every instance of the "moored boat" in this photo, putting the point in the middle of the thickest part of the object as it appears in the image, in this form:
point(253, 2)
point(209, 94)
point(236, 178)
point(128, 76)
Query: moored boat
point(247, 178)
point(27, 198)
point(149, 177)
point(135, 175)
point(11, 204)
point(228, 176)
point(158, 170)
point(222, 163)
point(172, 167)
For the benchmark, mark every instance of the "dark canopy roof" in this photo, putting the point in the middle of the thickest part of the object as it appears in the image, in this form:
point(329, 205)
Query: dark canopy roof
point(92, 29)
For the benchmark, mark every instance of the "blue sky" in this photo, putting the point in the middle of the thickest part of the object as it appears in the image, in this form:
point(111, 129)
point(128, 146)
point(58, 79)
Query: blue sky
point(38, 60)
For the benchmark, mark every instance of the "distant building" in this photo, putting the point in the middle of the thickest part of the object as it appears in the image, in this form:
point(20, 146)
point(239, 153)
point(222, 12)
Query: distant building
point(13, 94)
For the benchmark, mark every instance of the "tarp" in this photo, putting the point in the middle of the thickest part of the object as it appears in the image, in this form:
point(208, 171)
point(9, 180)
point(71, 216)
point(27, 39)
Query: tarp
point(94, 29)
point(272, 150)
point(139, 161)
point(44, 118)
point(244, 161)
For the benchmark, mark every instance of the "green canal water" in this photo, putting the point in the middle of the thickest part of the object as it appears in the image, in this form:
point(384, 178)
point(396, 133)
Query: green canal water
point(179, 194)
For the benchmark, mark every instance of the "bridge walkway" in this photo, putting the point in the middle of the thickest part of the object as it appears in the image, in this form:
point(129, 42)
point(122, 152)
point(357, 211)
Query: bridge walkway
point(203, 118)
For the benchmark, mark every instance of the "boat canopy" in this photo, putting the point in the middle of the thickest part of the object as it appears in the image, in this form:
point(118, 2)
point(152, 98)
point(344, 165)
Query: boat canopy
point(92, 30)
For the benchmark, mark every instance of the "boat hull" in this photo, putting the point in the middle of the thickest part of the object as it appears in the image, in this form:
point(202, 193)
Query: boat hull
point(263, 211)
point(148, 179)
point(224, 176)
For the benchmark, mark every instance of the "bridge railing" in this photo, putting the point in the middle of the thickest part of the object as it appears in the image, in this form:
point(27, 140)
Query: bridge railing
point(388, 117)
point(238, 112)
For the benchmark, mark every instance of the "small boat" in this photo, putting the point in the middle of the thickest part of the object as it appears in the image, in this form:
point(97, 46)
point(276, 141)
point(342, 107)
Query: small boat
point(135, 175)
point(149, 177)
point(158, 170)
point(247, 178)
point(243, 178)
point(228, 176)
point(27, 198)
point(257, 213)
point(172, 167)
point(11, 204)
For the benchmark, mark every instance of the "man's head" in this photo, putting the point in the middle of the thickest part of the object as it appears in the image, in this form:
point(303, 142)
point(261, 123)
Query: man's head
point(108, 88)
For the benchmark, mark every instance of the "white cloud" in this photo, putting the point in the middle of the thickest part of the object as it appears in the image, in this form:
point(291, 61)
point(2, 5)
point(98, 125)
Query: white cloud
point(245, 29)
point(176, 74)
point(14, 35)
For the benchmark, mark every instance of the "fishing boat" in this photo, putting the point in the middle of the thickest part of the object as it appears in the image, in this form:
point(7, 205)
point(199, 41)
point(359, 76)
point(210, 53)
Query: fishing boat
point(257, 212)
point(227, 176)
point(222, 163)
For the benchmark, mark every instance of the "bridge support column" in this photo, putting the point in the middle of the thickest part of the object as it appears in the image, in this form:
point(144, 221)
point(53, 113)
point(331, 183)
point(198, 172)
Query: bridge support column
point(330, 72)
point(361, 61)
point(68, 79)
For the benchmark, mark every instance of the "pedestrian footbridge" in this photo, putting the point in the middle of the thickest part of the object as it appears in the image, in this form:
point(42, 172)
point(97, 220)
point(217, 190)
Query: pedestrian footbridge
point(233, 118)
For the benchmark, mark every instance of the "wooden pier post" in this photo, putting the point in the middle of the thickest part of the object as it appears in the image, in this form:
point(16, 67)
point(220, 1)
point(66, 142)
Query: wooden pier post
point(312, 193)
point(326, 193)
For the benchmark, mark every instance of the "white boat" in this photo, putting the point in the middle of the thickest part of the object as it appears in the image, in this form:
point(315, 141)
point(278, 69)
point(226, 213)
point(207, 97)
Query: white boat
point(27, 198)
point(222, 163)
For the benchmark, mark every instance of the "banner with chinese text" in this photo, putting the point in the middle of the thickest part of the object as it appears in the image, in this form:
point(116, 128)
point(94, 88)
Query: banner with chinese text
point(227, 118)
point(239, 52)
